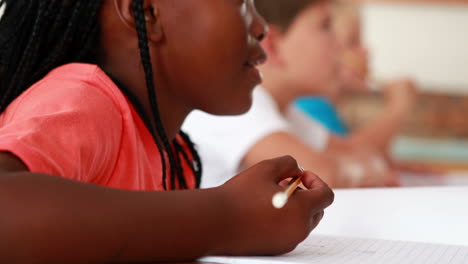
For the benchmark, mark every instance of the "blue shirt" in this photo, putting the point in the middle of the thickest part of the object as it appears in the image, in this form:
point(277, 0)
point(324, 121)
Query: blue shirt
point(321, 110)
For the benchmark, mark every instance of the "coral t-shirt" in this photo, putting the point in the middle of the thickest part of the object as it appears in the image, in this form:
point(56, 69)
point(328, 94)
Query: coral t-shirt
point(77, 124)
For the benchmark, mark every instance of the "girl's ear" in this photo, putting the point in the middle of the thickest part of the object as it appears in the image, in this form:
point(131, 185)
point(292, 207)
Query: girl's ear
point(271, 45)
point(155, 32)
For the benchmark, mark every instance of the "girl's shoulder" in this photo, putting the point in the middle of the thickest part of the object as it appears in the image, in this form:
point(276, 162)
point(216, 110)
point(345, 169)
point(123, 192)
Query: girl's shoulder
point(71, 87)
point(82, 80)
point(67, 124)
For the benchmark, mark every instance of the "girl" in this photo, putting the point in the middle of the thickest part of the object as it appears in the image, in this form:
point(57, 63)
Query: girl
point(95, 92)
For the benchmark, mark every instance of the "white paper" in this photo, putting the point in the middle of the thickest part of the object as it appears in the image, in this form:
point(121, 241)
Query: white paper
point(340, 250)
point(437, 215)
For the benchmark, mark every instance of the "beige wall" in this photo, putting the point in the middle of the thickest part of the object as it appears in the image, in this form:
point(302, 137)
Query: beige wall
point(429, 42)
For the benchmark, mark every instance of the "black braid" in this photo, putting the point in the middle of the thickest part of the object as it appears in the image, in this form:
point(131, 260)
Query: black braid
point(177, 157)
point(160, 137)
point(37, 36)
point(196, 166)
point(175, 162)
point(24, 64)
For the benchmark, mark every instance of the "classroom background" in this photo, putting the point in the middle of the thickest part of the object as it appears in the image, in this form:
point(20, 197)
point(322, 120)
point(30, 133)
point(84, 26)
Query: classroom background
point(427, 41)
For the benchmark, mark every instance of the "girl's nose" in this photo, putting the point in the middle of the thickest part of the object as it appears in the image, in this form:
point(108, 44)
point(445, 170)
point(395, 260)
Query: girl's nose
point(259, 26)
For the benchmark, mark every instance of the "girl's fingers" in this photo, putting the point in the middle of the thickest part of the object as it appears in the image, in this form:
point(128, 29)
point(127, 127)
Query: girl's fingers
point(280, 169)
point(318, 196)
point(316, 219)
point(312, 181)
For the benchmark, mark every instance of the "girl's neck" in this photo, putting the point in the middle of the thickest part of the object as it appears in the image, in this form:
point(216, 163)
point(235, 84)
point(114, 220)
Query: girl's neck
point(173, 113)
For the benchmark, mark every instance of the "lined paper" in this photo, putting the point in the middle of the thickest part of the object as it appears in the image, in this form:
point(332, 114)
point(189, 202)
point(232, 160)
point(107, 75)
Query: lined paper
point(340, 250)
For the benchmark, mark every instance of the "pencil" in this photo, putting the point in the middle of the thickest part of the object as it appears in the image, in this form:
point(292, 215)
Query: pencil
point(281, 198)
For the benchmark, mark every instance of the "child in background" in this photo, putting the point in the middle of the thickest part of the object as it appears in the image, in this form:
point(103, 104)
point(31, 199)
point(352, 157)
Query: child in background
point(399, 95)
point(302, 61)
point(93, 162)
point(354, 72)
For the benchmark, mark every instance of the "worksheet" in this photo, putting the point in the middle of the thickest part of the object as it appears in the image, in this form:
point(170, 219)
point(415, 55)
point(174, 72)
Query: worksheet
point(340, 250)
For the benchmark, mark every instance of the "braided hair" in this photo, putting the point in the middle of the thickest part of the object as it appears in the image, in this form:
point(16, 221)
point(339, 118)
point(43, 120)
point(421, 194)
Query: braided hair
point(37, 36)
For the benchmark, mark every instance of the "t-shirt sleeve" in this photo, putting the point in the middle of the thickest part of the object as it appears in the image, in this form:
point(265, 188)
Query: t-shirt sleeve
point(310, 131)
point(224, 141)
point(63, 128)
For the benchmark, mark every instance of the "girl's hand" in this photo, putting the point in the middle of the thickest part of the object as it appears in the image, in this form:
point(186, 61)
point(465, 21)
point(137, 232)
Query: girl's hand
point(260, 229)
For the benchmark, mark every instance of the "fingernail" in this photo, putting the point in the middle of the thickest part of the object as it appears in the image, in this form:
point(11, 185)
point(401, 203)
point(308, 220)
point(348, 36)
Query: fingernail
point(301, 168)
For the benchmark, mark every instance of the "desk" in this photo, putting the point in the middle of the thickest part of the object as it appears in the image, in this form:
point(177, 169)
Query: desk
point(432, 214)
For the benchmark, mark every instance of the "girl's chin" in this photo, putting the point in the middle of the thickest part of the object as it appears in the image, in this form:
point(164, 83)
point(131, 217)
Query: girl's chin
point(233, 108)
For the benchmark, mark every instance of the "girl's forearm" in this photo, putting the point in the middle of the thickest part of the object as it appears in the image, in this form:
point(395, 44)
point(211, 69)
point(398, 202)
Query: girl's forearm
point(46, 219)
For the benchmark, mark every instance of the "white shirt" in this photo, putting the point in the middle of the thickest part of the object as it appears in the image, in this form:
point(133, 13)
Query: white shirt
point(223, 141)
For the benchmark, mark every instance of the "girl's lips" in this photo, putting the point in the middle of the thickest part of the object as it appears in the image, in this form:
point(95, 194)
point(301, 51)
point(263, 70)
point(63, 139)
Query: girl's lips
point(257, 58)
point(255, 63)
point(254, 74)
